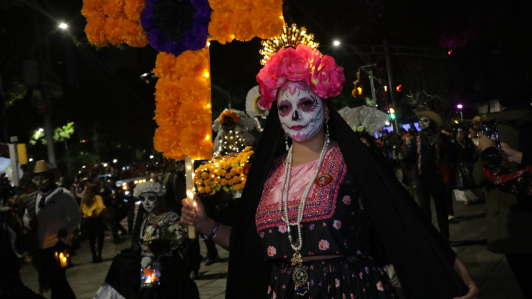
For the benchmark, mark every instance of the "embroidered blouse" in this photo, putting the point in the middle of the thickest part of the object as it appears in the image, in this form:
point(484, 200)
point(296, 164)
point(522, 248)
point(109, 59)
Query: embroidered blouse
point(333, 221)
point(150, 227)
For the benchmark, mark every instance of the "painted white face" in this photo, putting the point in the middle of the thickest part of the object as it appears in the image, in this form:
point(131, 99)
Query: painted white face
point(301, 111)
point(424, 123)
point(149, 201)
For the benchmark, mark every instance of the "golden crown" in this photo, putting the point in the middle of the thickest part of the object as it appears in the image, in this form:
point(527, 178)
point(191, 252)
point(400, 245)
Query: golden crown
point(291, 37)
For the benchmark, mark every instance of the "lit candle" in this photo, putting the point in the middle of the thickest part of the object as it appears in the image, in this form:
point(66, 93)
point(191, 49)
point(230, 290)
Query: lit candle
point(189, 168)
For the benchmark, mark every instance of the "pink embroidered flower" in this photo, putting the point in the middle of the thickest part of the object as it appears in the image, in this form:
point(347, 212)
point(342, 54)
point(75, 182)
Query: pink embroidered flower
point(337, 282)
point(323, 245)
point(360, 274)
point(311, 227)
point(282, 229)
point(347, 200)
point(269, 289)
point(274, 295)
point(270, 231)
point(271, 251)
point(366, 269)
point(324, 224)
point(379, 286)
point(337, 224)
point(326, 77)
point(261, 234)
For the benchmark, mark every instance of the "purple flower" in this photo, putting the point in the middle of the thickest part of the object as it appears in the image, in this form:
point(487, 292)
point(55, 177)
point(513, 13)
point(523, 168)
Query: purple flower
point(311, 227)
point(175, 26)
point(261, 234)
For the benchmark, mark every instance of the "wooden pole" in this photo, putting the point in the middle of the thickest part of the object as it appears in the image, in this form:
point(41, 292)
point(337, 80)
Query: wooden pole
point(189, 171)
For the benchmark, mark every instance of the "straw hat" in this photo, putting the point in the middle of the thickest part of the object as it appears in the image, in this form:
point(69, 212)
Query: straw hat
point(43, 167)
point(432, 115)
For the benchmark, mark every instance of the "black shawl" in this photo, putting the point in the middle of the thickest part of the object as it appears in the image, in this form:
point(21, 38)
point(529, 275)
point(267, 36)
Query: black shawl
point(422, 259)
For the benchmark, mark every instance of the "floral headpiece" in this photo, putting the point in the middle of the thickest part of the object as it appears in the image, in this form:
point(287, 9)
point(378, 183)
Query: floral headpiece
point(228, 113)
point(321, 73)
point(149, 187)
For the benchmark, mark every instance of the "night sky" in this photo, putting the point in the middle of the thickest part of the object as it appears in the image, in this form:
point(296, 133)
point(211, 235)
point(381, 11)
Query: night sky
point(103, 94)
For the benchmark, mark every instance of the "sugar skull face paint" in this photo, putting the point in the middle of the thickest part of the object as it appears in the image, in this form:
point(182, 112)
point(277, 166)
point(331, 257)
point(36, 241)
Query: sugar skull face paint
point(424, 123)
point(301, 111)
point(149, 201)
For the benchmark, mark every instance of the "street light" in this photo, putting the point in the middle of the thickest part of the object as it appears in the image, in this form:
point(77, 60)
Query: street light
point(336, 43)
point(41, 129)
point(151, 157)
point(63, 26)
point(115, 160)
point(459, 106)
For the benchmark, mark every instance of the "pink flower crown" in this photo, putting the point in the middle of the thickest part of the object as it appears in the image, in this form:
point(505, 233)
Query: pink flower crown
point(322, 74)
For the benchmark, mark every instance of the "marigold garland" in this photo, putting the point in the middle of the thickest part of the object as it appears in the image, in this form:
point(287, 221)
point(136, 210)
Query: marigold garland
point(224, 172)
point(114, 22)
point(183, 113)
point(244, 19)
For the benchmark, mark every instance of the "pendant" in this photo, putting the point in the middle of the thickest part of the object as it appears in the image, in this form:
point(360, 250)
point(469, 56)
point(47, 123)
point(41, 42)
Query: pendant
point(300, 274)
point(323, 180)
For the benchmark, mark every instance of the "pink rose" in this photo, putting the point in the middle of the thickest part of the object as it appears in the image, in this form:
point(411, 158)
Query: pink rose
point(294, 64)
point(326, 77)
point(272, 74)
point(282, 229)
point(323, 245)
point(271, 251)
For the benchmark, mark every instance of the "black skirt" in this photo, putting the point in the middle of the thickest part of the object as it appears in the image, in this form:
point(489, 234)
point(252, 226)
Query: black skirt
point(340, 278)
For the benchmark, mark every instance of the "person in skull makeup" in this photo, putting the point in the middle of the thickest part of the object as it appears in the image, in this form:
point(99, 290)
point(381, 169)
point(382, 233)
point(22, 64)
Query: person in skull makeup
point(148, 250)
point(312, 194)
point(427, 151)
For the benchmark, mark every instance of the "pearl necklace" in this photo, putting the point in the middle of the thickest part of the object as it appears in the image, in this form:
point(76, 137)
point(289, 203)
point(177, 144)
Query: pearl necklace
point(284, 195)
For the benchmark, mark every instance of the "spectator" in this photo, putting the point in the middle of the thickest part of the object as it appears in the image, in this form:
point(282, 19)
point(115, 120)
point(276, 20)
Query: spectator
point(509, 217)
point(111, 199)
point(93, 211)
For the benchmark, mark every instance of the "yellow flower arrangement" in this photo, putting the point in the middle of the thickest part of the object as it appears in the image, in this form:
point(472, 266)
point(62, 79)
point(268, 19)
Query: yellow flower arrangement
point(224, 172)
point(114, 22)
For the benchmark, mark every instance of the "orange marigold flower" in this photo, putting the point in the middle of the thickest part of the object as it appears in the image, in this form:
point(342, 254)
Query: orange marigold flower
point(266, 22)
point(207, 182)
point(92, 8)
point(204, 175)
point(95, 30)
point(114, 8)
point(223, 182)
point(220, 26)
point(133, 8)
point(241, 25)
point(207, 189)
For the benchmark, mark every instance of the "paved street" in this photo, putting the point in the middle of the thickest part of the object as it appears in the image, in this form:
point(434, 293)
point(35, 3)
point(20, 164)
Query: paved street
point(490, 271)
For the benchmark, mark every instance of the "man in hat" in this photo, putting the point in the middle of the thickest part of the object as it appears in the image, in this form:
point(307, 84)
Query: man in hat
point(427, 151)
point(51, 215)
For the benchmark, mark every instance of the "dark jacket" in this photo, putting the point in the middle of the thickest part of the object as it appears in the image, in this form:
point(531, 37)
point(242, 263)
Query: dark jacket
point(508, 223)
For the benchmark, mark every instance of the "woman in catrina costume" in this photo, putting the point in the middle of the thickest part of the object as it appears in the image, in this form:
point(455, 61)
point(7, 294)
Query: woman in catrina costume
point(314, 198)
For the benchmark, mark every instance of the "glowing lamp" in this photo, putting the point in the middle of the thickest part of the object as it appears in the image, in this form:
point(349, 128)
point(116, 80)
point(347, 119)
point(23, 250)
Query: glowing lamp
point(149, 277)
point(459, 106)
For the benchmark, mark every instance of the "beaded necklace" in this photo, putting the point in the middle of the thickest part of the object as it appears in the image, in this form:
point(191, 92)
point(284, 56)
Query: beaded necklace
point(300, 274)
